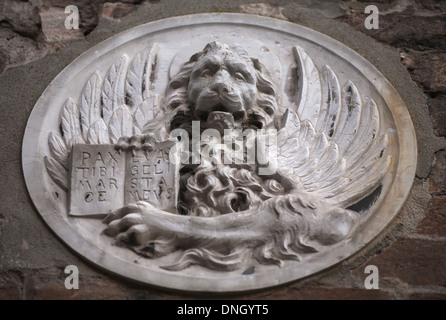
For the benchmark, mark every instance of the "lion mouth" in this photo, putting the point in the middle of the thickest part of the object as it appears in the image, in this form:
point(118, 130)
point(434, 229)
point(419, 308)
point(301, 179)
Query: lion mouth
point(220, 120)
point(223, 109)
point(210, 101)
point(204, 113)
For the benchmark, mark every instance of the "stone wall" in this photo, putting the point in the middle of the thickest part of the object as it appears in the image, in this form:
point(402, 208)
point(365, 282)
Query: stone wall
point(409, 48)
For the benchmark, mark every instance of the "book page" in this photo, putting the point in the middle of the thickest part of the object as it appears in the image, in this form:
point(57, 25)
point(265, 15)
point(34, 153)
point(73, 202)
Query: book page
point(152, 177)
point(97, 180)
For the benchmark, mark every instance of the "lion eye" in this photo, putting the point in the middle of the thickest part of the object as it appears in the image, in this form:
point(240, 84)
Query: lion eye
point(206, 73)
point(239, 76)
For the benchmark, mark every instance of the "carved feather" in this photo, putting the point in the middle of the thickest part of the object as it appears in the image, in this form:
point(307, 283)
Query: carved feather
point(368, 130)
point(145, 112)
point(343, 157)
point(113, 88)
point(57, 172)
point(121, 124)
point(331, 94)
point(98, 133)
point(348, 120)
point(90, 111)
point(139, 75)
point(310, 87)
point(103, 115)
point(70, 124)
point(58, 149)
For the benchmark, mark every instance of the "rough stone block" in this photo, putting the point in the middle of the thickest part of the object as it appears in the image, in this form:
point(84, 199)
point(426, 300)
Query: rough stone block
point(23, 17)
point(115, 11)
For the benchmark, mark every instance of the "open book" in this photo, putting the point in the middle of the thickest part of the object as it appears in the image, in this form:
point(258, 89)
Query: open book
point(104, 179)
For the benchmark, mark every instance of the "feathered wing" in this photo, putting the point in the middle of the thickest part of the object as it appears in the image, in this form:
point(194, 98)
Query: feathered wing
point(143, 103)
point(332, 145)
point(118, 104)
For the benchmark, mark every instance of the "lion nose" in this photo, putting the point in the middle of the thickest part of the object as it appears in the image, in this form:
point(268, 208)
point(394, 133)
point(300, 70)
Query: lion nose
point(221, 82)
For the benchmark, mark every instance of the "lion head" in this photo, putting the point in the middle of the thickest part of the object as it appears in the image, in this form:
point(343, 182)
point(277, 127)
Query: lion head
point(221, 79)
point(222, 87)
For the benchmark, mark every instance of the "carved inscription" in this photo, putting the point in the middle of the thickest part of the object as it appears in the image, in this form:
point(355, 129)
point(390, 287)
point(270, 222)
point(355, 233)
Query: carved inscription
point(151, 177)
point(103, 179)
point(97, 179)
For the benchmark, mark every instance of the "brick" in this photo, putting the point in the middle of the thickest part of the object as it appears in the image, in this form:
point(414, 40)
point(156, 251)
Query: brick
point(427, 296)
point(96, 288)
point(11, 283)
point(53, 26)
point(435, 221)
point(437, 110)
point(414, 261)
point(403, 30)
point(432, 5)
point(342, 294)
point(321, 293)
point(10, 293)
point(427, 69)
point(88, 12)
point(437, 176)
point(115, 11)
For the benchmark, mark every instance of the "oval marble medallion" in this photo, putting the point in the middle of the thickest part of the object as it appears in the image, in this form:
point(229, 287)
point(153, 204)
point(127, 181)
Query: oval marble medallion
point(219, 153)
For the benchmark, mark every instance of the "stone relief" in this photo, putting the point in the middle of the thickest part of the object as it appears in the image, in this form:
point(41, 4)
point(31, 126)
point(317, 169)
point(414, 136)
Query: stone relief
point(221, 211)
point(248, 155)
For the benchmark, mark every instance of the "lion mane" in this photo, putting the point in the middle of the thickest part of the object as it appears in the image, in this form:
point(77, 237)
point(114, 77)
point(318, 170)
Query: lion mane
point(212, 189)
